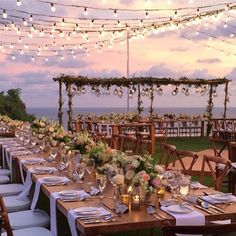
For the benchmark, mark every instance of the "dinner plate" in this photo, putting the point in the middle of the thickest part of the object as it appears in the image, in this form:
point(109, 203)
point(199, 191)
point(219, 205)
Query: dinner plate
point(33, 161)
point(179, 209)
point(87, 210)
point(221, 196)
point(53, 179)
point(43, 169)
point(69, 193)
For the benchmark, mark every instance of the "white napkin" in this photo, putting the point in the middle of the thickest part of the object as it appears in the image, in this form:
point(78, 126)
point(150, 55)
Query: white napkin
point(191, 218)
point(8, 158)
point(21, 153)
point(27, 186)
point(72, 215)
point(197, 185)
point(38, 186)
point(53, 217)
point(214, 199)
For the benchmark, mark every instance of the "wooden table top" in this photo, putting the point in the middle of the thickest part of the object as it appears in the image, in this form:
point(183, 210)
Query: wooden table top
point(133, 220)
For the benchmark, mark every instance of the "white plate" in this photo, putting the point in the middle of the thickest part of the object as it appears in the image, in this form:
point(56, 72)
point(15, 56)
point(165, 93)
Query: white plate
point(43, 169)
point(222, 196)
point(179, 209)
point(87, 210)
point(53, 179)
point(33, 161)
point(69, 193)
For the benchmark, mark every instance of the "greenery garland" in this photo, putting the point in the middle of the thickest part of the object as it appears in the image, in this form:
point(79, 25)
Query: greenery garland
point(148, 81)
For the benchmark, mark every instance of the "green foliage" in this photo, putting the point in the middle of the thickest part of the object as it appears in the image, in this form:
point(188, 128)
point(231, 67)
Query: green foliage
point(12, 106)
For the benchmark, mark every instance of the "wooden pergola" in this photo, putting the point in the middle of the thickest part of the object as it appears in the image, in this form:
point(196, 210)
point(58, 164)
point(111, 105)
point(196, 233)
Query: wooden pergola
point(137, 82)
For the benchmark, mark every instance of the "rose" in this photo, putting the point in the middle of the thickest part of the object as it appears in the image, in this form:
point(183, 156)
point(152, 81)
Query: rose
point(159, 169)
point(135, 163)
point(118, 179)
point(51, 129)
point(129, 174)
point(156, 182)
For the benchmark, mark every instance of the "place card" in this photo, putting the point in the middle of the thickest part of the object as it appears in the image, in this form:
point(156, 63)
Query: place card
point(121, 208)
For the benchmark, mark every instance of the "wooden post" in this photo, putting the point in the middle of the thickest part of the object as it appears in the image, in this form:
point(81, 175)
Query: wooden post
point(60, 103)
point(69, 112)
point(139, 108)
point(209, 109)
point(151, 106)
point(226, 99)
point(153, 138)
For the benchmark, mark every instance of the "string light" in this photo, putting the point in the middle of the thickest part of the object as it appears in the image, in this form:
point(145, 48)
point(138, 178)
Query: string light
point(53, 8)
point(25, 22)
point(18, 3)
point(4, 14)
point(115, 13)
point(85, 11)
point(31, 18)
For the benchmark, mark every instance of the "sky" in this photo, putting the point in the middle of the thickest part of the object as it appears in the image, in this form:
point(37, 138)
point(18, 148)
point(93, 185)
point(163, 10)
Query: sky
point(166, 54)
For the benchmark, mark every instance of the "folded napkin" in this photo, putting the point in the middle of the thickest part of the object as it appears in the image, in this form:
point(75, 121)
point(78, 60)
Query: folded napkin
point(27, 186)
point(219, 198)
point(44, 170)
point(73, 214)
point(197, 185)
point(39, 182)
point(21, 153)
point(191, 218)
point(53, 217)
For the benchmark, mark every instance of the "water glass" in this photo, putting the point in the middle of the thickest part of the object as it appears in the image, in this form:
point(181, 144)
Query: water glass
point(79, 172)
point(101, 182)
point(185, 184)
point(90, 165)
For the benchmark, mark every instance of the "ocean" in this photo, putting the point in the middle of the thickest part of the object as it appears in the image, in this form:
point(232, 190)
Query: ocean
point(51, 113)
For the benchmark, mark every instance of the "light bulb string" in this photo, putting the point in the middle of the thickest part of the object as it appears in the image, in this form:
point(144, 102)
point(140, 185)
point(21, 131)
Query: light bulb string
point(137, 10)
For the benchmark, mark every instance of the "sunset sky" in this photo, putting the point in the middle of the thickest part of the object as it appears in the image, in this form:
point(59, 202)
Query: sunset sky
point(167, 54)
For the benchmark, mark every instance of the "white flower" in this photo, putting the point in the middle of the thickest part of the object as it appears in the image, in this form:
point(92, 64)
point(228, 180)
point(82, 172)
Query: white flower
point(118, 179)
point(129, 174)
point(159, 169)
point(135, 164)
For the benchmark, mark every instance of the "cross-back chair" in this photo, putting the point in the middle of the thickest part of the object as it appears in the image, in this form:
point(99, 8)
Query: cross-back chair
point(216, 230)
point(31, 231)
point(217, 174)
point(187, 170)
point(167, 154)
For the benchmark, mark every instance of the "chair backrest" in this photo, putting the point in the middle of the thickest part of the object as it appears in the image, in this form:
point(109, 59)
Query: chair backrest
point(204, 229)
point(5, 220)
point(217, 174)
point(187, 154)
point(167, 154)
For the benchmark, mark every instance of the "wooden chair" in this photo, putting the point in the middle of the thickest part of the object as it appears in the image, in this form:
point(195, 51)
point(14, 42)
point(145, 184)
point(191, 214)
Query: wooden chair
point(219, 145)
point(187, 154)
point(167, 154)
point(216, 230)
point(217, 174)
point(34, 231)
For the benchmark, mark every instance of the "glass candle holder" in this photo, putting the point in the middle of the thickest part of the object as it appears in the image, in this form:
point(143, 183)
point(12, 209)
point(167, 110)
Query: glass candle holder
point(160, 190)
point(124, 198)
point(135, 202)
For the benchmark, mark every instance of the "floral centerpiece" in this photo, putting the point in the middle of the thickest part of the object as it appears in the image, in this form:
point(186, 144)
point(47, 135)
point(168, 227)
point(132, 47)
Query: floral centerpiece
point(100, 152)
point(81, 140)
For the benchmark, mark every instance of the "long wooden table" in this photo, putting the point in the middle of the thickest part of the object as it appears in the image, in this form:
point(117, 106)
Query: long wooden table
point(133, 220)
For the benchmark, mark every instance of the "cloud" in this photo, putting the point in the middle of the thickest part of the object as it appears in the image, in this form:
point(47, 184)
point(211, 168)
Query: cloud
point(201, 74)
point(35, 78)
point(105, 73)
point(66, 63)
point(209, 61)
point(127, 2)
point(160, 70)
point(179, 49)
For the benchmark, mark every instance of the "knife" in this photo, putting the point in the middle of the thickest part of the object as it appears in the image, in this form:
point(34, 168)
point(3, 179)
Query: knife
point(213, 206)
point(203, 209)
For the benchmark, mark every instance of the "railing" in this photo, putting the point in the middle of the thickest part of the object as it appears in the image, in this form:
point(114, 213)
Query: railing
point(170, 128)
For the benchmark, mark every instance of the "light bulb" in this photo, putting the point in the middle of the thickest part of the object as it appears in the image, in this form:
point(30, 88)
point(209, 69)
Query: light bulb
point(85, 11)
point(31, 18)
point(115, 13)
point(25, 22)
point(4, 14)
point(53, 8)
point(32, 58)
point(18, 3)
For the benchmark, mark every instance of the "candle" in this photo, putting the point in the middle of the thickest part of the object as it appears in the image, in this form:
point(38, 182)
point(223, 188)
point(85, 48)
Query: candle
point(136, 199)
point(129, 189)
point(124, 199)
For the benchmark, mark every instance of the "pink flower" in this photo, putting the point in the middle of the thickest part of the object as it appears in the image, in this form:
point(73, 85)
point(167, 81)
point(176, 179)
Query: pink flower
point(156, 182)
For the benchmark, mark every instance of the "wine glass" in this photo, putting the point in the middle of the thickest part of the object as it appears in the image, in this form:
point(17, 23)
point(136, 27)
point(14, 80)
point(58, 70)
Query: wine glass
point(101, 182)
point(79, 172)
point(53, 153)
point(90, 166)
point(41, 145)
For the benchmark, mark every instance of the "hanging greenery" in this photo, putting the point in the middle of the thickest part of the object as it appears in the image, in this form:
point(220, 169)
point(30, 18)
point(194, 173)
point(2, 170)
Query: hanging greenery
point(148, 81)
